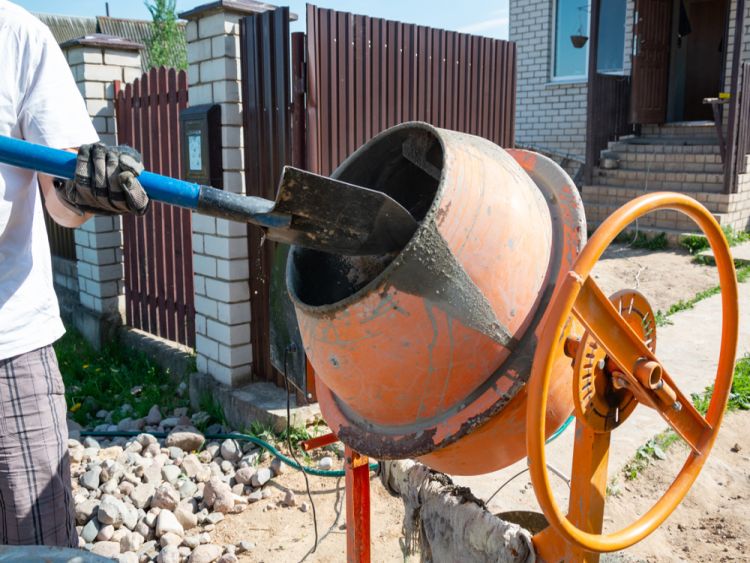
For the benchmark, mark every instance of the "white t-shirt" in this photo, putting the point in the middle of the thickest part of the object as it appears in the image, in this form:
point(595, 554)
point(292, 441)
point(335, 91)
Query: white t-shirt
point(39, 102)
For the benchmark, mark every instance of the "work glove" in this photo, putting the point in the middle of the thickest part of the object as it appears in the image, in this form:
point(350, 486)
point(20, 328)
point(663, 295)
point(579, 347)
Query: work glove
point(105, 182)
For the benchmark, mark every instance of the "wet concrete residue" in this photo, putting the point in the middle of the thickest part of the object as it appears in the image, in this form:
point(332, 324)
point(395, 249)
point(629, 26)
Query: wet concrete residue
point(429, 269)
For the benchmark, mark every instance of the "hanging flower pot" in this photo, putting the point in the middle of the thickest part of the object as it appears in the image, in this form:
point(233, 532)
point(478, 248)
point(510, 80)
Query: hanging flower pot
point(578, 40)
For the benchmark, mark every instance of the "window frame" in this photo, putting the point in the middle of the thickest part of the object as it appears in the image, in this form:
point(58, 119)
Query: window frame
point(573, 78)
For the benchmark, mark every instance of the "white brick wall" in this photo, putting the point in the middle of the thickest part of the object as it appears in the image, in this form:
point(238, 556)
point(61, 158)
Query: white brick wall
point(99, 240)
point(222, 300)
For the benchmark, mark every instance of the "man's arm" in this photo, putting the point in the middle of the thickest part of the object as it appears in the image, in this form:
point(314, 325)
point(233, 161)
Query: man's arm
point(61, 213)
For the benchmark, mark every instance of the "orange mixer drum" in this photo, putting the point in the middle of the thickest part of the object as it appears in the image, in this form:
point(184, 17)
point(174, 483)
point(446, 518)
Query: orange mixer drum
point(425, 353)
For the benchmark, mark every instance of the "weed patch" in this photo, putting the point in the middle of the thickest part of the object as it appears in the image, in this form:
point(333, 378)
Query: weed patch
point(111, 378)
point(698, 243)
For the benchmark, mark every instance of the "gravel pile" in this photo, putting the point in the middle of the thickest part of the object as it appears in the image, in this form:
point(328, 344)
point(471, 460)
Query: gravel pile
point(143, 499)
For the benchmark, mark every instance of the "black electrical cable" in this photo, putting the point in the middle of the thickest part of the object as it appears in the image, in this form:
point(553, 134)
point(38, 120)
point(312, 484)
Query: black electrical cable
point(292, 348)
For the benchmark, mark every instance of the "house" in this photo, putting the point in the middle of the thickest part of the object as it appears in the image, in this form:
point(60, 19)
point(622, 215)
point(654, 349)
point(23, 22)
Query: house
point(639, 95)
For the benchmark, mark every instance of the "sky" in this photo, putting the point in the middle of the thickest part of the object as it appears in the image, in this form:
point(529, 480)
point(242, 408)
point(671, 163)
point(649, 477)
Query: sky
point(480, 17)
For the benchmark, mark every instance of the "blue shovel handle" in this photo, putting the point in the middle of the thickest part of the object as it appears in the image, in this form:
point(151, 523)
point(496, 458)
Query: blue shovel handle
point(204, 199)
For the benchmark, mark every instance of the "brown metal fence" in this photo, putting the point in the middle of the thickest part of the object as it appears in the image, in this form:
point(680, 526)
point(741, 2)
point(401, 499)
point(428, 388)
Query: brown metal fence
point(61, 239)
point(158, 251)
point(739, 130)
point(367, 74)
point(351, 77)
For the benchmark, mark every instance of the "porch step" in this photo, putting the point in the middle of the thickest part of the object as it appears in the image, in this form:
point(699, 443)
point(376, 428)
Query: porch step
point(682, 129)
point(697, 163)
point(654, 181)
point(627, 145)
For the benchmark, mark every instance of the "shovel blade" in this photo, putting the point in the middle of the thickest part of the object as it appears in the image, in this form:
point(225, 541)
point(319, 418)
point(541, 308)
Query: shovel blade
point(338, 217)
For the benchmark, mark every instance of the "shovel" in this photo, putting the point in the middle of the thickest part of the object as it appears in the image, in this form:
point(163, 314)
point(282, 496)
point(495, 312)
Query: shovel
point(310, 210)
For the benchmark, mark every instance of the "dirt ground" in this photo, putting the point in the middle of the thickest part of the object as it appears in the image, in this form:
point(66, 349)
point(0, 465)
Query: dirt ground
point(286, 533)
point(664, 277)
point(711, 525)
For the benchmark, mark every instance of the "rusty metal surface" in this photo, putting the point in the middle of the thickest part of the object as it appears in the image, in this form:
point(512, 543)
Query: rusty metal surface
point(442, 371)
point(367, 74)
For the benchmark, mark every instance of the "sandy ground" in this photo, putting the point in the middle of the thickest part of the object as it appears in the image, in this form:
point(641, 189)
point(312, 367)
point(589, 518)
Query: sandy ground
point(665, 277)
point(286, 533)
point(712, 523)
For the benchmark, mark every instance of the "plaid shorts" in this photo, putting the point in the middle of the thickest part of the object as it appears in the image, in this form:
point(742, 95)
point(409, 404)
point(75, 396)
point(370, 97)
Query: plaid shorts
point(36, 504)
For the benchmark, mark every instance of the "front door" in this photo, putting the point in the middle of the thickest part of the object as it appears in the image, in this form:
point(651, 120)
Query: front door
point(697, 60)
point(650, 61)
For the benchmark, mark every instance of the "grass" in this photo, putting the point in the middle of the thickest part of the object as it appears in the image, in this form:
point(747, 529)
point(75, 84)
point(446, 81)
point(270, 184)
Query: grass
point(111, 378)
point(642, 240)
point(698, 243)
point(656, 448)
point(662, 317)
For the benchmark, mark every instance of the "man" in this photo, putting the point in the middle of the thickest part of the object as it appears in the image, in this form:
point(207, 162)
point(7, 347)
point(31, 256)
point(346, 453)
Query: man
point(40, 102)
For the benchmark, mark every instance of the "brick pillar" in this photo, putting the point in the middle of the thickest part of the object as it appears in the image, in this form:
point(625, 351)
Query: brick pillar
point(220, 254)
point(96, 62)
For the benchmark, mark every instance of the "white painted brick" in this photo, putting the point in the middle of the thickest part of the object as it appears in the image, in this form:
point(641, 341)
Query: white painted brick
point(230, 248)
point(100, 108)
point(110, 239)
point(206, 347)
point(129, 74)
point(198, 51)
point(200, 324)
point(206, 307)
point(220, 69)
point(191, 31)
point(102, 73)
point(102, 289)
point(122, 58)
point(193, 74)
point(200, 94)
point(211, 25)
point(235, 313)
point(234, 181)
point(199, 285)
point(108, 138)
point(231, 335)
point(87, 300)
point(107, 273)
point(201, 363)
point(84, 269)
point(227, 91)
point(230, 114)
point(226, 291)
point(103, 256)
point(204, 265)
point(231, 136)
point(204, 224)
point(225, 46)
point(232, 376)
point(81, 237)
point(100, 124)
point(233, 158)
point(233, 269)
point(91, 89)
point(90, 55)
point(227, 228)
point(235, 355)
point(197, 243)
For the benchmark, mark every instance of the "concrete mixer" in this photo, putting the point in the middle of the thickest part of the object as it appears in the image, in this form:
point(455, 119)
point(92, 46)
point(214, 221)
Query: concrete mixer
point(469, 346)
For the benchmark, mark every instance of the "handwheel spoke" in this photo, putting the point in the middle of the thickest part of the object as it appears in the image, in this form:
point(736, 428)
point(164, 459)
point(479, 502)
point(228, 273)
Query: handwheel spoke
point(636, 367)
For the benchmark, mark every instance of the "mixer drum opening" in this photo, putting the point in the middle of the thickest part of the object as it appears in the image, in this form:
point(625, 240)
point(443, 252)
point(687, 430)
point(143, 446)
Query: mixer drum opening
point(406, 165)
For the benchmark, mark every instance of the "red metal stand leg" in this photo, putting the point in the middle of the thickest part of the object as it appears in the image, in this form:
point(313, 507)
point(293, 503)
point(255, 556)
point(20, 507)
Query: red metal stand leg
point(357, 507)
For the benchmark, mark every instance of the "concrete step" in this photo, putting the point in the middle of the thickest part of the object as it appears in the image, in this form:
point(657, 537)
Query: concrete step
point(627, 161)
point(655, 175)
point(627, 145)
point(684, 129)
point(620, 178)
point(596, 194)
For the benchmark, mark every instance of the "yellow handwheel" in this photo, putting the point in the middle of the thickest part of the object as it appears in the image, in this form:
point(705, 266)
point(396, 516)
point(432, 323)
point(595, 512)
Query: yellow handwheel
point(634, 365)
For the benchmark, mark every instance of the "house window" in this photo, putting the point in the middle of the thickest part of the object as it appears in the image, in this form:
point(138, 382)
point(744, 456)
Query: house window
point(571, 18)
point(611, 36)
